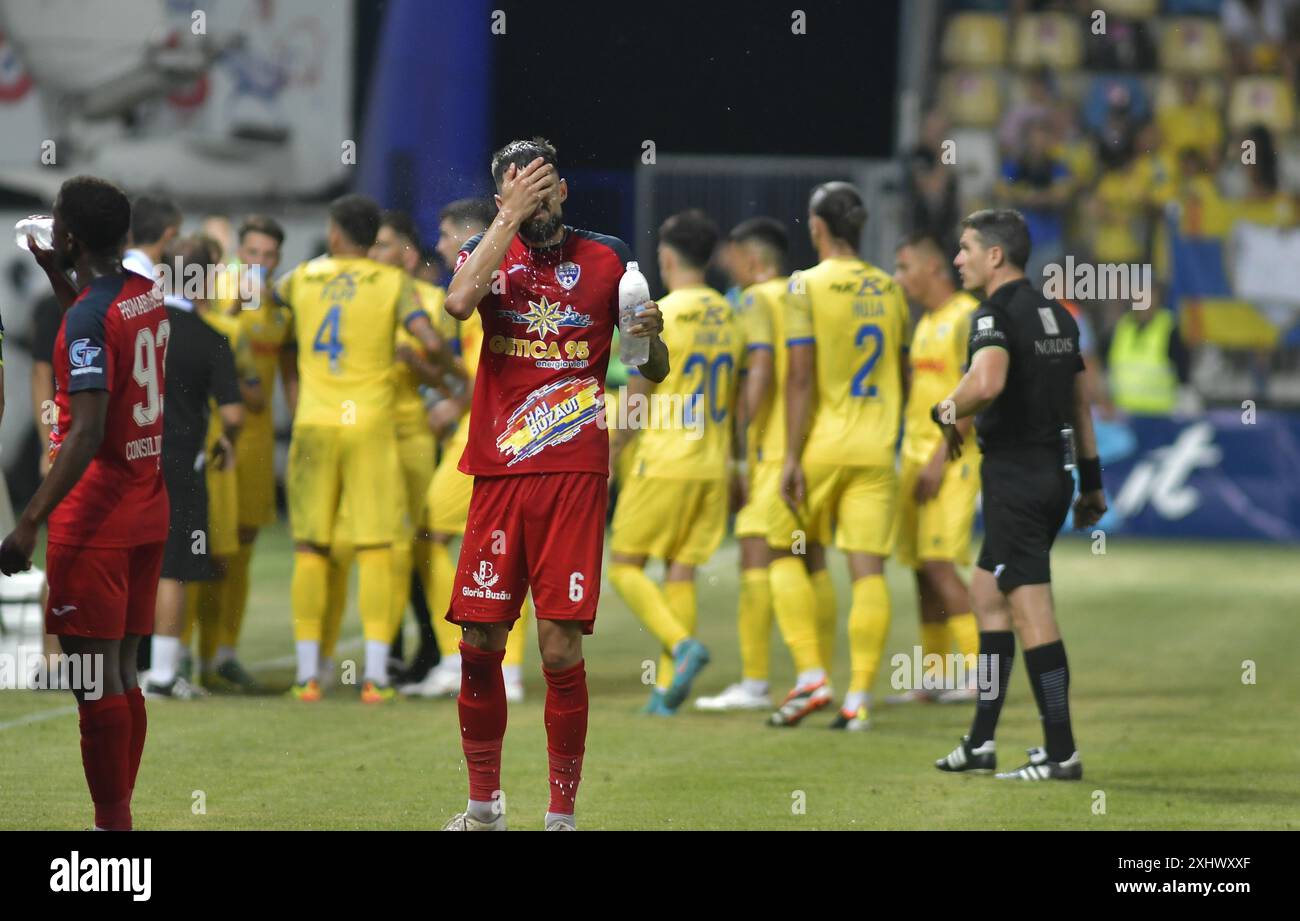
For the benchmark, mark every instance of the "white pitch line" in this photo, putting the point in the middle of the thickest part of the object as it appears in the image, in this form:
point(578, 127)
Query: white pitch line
point(41, 716)
point(37, 717)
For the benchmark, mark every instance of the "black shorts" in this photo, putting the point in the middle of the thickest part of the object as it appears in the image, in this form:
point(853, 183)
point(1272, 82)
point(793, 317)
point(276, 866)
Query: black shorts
point(1026, 499)
point(186, 556)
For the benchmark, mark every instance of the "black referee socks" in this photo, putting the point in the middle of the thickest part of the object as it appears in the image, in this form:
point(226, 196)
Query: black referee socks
point(1049, 675)
point(997, 653)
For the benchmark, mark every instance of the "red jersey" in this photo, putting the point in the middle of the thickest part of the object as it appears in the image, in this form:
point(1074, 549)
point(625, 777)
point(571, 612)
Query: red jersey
point(114, 338)
point(539, 395)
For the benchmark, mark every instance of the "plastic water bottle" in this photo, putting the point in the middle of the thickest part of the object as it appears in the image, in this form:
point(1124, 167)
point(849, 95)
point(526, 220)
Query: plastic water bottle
point(633, 291)
point(40, 226)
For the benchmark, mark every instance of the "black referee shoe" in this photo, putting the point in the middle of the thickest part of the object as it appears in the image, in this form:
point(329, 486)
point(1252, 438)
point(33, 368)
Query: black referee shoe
point(1039, 768)
point(966, 760)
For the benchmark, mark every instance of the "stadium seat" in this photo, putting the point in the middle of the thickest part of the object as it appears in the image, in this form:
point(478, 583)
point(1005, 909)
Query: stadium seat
point(1048, 40)
point(1167, 92)
point(975, 40)
point(971, 98)
point(1266, 100)
point(1190, 44)
point(1129, 9)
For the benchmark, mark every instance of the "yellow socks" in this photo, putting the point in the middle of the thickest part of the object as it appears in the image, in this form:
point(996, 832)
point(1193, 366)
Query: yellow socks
point(209, 596)
point(681, 600)
point(648, 603)
point(754, 623)
point(964, 631)
point(442, 573)
point(516, 640)
point(868, 628)
point(401, 554)
point(235, 601)
point(824, 589)
point(336, 603)
point(375, 592)
point(795, 604)
point(935, 639)
point(308, 591)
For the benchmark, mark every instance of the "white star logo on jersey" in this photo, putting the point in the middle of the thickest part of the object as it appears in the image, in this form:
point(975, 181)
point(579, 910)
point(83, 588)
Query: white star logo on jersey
point(543, 317)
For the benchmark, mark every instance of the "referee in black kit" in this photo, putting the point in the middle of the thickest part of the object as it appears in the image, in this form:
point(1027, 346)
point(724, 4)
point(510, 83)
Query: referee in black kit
point(1025, 382)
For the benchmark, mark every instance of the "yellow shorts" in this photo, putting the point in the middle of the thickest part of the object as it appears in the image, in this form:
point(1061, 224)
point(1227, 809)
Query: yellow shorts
point(416, 454)
point(344, 469)
point(754, 519)
point(856, 505)
point(448, 495)
point(223, 509)
point(938, 529)
point(255, 469)
point(678, 520)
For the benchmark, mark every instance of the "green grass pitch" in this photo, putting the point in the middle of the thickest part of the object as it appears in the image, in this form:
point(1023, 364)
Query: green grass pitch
point(1158, 636)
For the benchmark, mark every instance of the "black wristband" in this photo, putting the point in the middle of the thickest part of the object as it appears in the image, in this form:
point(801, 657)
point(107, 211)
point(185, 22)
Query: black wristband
point(1089, 474)
point(934, 415)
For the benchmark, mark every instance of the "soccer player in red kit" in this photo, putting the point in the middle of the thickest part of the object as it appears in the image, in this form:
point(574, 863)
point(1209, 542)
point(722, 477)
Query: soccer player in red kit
point(539, 454)
point(104, 500)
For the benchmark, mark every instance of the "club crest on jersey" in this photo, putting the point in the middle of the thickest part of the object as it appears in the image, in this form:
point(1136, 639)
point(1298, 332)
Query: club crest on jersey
point(81, 353)
point(550, 415)
point(566, 273)
point(547, 316)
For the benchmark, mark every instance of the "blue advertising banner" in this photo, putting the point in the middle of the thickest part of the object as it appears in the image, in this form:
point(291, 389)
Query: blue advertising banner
point(1230, 474)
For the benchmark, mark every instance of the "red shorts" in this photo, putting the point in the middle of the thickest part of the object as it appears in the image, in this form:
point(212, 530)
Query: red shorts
point(544, 531)
point(101, 592)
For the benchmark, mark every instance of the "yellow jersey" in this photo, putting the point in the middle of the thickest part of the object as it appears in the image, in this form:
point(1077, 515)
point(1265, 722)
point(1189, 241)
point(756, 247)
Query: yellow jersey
point(408, 404)
point(346, 311)
point(937, 358)
point(469, 343)
point(686, 424)
point(763, 309)
point(266, 328)
point(857, 319)
point(245, 367)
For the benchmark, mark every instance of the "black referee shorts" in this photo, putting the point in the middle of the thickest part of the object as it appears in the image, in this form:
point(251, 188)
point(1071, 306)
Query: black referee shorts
point(1026, 499)
point(187, 492)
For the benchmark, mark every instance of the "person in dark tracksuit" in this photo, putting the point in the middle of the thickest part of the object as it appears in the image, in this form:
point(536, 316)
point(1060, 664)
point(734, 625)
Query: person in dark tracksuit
point(1025, 387)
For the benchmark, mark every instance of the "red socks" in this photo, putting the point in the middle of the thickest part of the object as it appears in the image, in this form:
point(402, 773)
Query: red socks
point(566, 733)
point(482, 706)
point(139, 726)
point(106, 731)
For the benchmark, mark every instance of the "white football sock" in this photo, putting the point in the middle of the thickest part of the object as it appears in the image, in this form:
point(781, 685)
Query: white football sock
point(165, 652)
point(483, 812)
point(567, 817)
point(812, 676)
point(754, 686)
point(855, 699)
point(377, 662)
point(308, 659)
point(325, 674)
point(512, 674)
point(224, 654)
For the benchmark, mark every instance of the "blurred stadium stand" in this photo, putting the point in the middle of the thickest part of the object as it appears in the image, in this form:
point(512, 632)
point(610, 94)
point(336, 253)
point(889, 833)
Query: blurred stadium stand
point(1151, 112)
